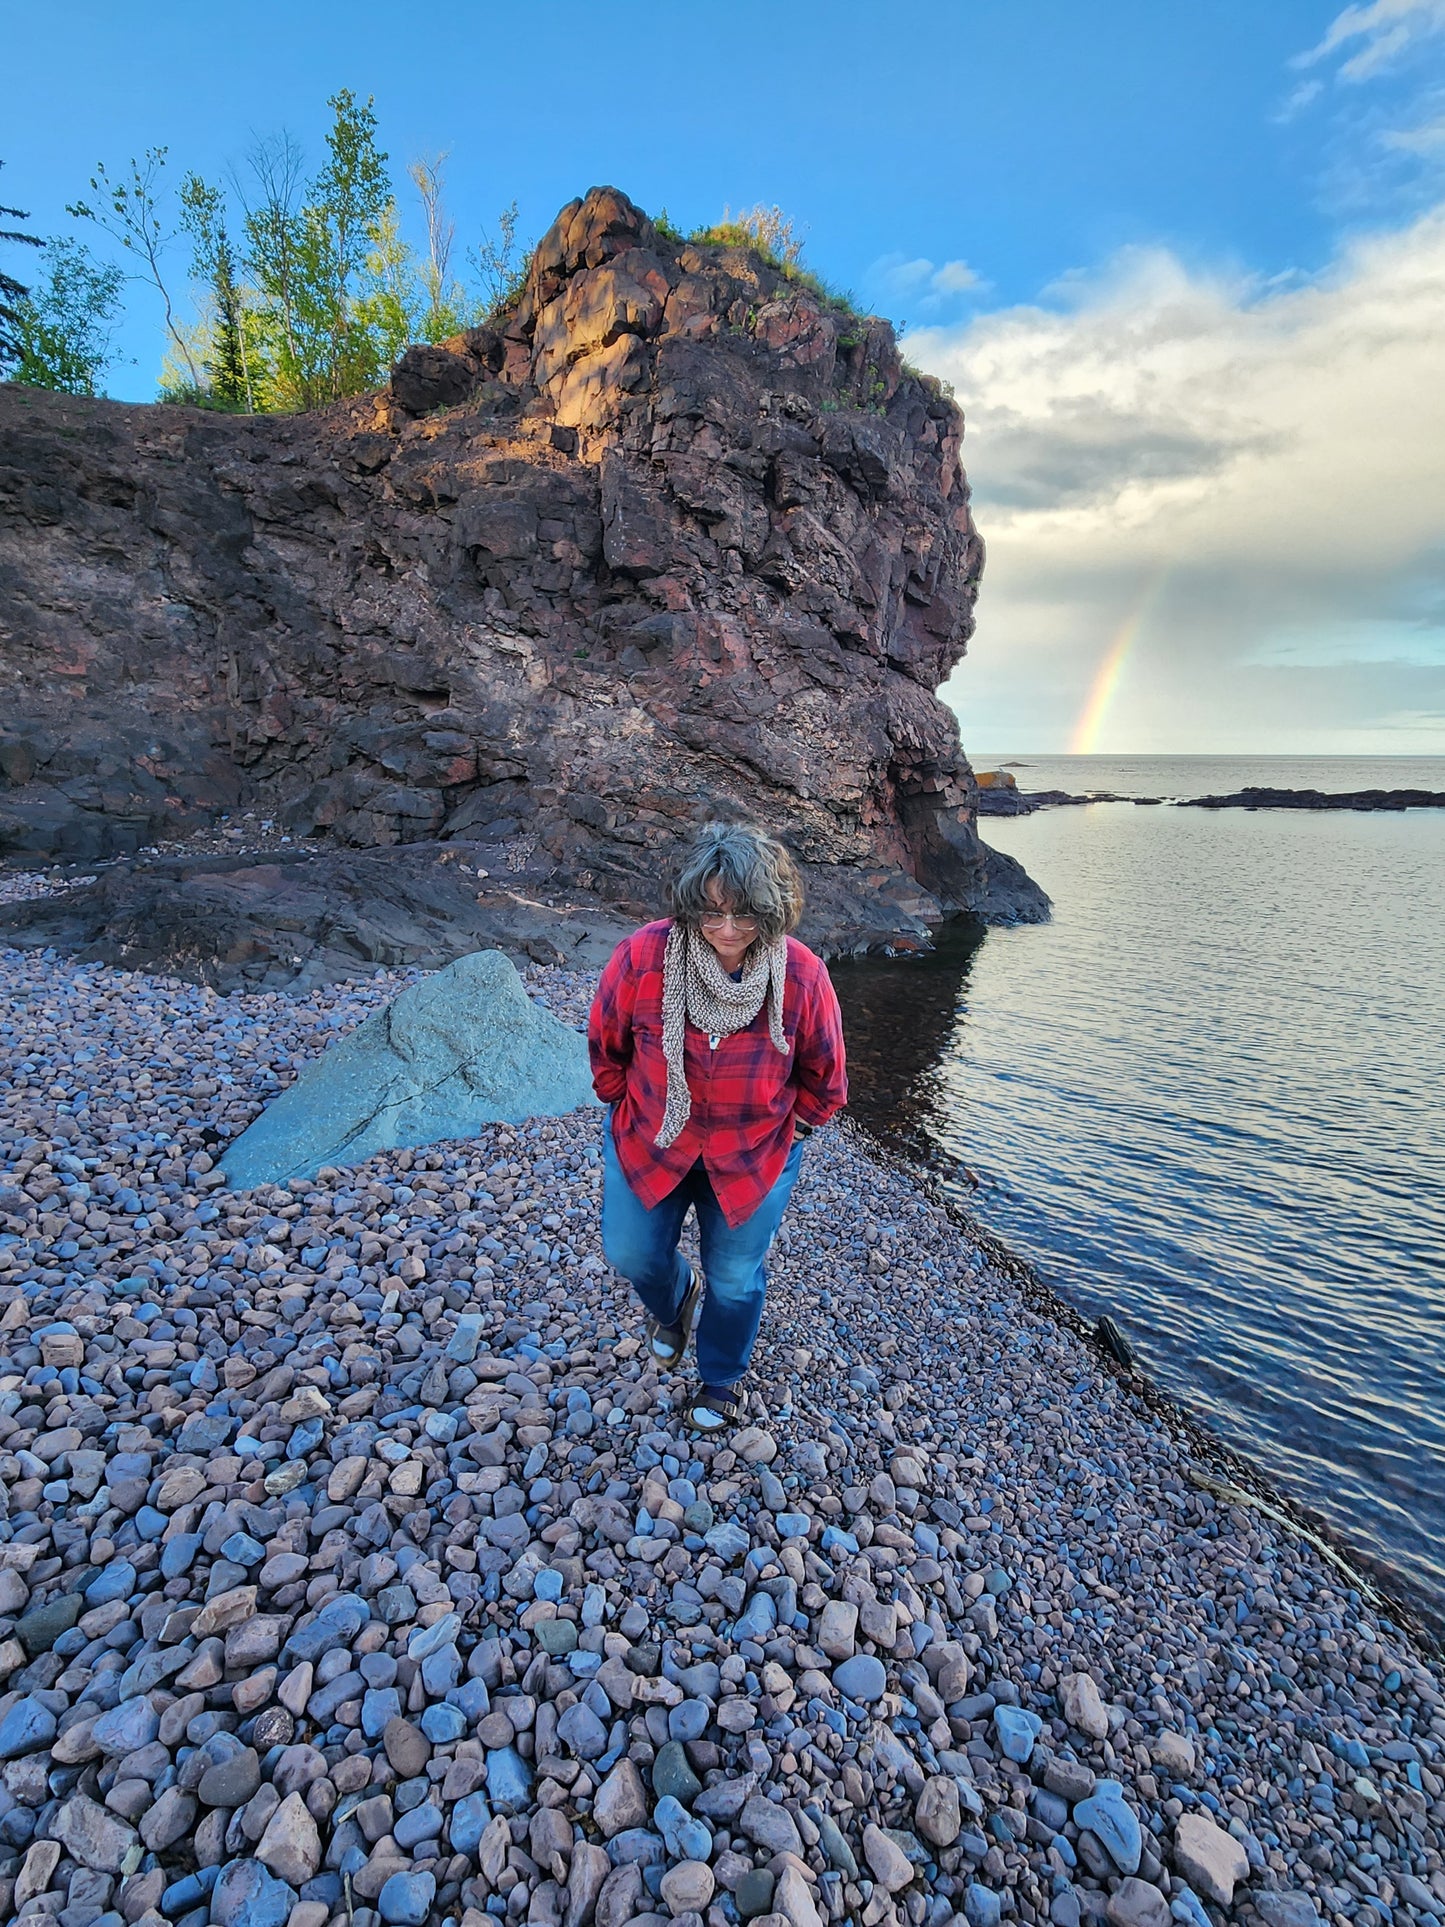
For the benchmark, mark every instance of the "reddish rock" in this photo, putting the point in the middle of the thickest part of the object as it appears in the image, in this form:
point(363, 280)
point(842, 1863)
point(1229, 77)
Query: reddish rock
point(676, 539)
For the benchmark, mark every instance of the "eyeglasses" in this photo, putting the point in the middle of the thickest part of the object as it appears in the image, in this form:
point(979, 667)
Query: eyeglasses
point(719, 920)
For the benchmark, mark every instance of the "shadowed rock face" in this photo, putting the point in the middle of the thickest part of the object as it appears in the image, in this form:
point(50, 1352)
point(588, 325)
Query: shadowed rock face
point(677, 540)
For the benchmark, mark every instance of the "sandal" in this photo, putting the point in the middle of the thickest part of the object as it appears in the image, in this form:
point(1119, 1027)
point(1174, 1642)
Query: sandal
point(714, 1409)
point(668, 1342)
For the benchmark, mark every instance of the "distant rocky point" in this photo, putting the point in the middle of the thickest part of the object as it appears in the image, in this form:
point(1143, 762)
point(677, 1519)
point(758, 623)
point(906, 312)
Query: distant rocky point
point(1269, 799)
point(999, 795)
point(677, 537)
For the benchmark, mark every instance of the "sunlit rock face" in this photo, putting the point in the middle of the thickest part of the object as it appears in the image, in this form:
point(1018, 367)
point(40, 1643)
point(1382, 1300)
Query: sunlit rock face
point(678, 538)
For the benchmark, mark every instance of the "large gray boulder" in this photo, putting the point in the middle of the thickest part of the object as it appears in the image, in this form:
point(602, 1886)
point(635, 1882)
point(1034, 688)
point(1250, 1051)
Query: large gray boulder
point(461, 1049)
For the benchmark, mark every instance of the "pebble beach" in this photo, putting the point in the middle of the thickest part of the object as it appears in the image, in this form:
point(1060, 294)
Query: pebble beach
point(355, 1566)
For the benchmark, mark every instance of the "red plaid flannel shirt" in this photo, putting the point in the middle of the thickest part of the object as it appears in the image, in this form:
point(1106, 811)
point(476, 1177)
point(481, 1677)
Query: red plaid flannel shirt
point(746, 1094)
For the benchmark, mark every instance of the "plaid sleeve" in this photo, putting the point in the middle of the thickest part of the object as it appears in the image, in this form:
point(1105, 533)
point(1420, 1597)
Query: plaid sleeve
point(820, 1066)
point(609, 1025)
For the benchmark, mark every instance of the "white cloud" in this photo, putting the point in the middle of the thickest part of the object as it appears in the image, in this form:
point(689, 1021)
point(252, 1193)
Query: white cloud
point(1378, 33)
point(955, 277)
point(1426, 140)
point(1261, 470)
point(929, 285)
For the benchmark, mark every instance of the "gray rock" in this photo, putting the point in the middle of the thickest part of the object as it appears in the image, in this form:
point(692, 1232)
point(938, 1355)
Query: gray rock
point(463, 1048)
point(407, 1747)
point(861, 1678)
point(169, 1820)
point(231, 1781)
point(1137, 1903)
point(621, 1897)
point(1082, 1706)
point(982, 1906)
point(291, 1846)
point(754, 1893)
point(337, 1624)
point(671, 1773)
point(1211, 1860)
point(1070, 1779)
point(936, 1813)
point(620, 1802)
point(1114, 1823)
point(91, 1835)
point(127, 1727)
point(27, 1727)
point(406, 1899)
point(586, 1877)
point(39, 1629)
point(890, 1864)
point(726, 1800)
point(833, 1843)
point(246, 1894)
point(688, 1887)
point(769, 1826)
point(1413, 1892)
point(1293, 1909)
point(582, 1733)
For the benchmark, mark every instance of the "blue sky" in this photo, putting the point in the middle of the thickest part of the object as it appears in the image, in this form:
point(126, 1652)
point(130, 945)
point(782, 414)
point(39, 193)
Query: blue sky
point(1215, 210)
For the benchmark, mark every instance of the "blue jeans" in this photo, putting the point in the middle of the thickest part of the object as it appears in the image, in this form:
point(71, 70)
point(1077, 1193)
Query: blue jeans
point(643, 1246)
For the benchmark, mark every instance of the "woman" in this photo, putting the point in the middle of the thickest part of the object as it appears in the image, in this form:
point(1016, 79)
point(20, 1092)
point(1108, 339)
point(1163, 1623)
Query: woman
point(717, 1041)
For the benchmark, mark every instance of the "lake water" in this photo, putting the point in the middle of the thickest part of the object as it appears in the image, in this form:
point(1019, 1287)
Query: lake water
point(1207, 1099)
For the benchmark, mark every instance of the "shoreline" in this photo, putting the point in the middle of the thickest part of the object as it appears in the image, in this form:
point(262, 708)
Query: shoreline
point(1006, 800)
point(939, 1450)
point(1419, 1613)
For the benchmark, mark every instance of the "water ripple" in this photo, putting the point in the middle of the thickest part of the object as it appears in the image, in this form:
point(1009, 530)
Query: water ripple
point(1206, 1099)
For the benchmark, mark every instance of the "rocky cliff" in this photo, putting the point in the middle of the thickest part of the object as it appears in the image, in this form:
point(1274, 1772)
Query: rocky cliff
point(678, 538)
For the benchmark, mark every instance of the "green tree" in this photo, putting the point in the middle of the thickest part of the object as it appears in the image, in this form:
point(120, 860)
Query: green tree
point(393, 307)
point(131, 213)
point(448, 309)
point(308, 257)
point(413, 296)
point(13, 292)
point(63, 325)
point(229, 357)
point(500, 265)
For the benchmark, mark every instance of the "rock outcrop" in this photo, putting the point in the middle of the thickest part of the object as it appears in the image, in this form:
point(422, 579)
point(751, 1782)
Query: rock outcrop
point(462, 1048)
point(677, 538)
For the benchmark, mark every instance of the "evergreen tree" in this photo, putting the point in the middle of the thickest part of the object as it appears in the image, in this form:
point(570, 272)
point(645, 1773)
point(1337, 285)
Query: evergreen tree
point(12, 292)
point(228, 360)
point(226, 363)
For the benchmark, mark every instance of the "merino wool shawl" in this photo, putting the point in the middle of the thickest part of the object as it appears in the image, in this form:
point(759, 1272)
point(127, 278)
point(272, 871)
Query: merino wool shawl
point(696, 989)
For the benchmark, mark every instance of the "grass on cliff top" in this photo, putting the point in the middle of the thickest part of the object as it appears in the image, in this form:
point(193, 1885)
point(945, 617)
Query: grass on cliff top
point(777, 241)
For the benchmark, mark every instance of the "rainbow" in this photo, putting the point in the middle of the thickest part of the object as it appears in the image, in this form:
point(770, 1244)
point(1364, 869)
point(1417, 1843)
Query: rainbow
point(1084, 741)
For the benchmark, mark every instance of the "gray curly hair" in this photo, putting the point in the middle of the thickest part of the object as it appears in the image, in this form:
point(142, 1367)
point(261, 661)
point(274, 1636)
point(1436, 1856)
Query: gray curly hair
point(755, 876)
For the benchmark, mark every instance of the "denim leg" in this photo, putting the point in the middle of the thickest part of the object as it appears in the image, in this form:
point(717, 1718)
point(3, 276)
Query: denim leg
point(642, 1244)
point(733, 1261)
